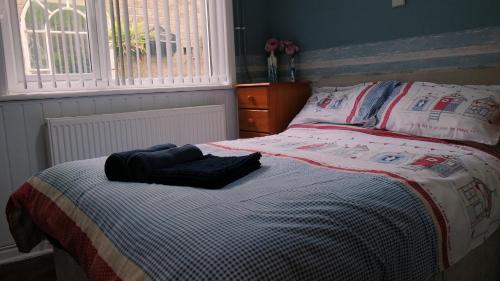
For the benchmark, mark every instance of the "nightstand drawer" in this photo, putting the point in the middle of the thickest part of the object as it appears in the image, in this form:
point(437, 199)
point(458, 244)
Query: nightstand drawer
point(254, 120)
point(249, 135)
point(253, 97)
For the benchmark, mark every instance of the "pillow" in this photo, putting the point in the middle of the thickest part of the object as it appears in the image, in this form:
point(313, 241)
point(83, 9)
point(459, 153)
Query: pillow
point(466, 113)
point(345, 105)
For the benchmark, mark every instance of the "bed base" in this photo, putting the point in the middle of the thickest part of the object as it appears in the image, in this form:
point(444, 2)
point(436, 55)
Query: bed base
point(67, 269)
point(483, 263)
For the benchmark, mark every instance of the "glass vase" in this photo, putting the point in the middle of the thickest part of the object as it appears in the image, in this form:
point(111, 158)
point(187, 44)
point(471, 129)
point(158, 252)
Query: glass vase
point(291, 69)
point(272, 68)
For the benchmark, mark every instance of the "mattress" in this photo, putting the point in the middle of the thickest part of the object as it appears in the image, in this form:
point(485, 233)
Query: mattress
point(330, 202)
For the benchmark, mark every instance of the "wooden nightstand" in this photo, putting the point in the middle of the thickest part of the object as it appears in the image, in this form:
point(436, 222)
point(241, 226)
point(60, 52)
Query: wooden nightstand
point(267, 108)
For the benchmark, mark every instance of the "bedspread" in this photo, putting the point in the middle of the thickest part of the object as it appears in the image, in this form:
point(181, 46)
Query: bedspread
point(330, 203)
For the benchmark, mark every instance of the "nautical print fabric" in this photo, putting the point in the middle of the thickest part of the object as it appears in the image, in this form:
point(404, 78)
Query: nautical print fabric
point(331, 202)
point(345, 105)
point(452, 112)
point(459, 183)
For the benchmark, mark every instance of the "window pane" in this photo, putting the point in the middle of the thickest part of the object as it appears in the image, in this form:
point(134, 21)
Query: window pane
point(35, 17)
point(59, 45)
point(143, 29)
point(128, 42)
point(39, 51)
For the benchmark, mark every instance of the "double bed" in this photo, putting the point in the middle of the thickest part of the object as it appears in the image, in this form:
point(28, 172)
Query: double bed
point(331, 202)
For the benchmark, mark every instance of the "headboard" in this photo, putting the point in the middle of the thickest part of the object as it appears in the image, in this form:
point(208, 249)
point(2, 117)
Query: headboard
point(470, 76)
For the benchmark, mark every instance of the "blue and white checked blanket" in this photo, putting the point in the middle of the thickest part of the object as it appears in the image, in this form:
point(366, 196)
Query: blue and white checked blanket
point(305, 215)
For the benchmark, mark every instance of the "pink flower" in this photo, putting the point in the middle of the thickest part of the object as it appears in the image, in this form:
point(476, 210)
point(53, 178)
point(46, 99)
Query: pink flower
point(272, 45)
point(287, 42)
point(291, 50)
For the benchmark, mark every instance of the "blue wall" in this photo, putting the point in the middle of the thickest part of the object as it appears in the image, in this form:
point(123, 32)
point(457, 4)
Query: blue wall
point(365, 36)
point(253, 14)
point(319, 24)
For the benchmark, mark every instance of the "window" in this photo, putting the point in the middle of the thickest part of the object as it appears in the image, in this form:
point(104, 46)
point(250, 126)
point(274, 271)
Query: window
point(50, 36)
point(83, 44)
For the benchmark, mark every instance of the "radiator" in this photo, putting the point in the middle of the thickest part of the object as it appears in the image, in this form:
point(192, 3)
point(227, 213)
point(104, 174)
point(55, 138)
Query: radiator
point(77, 138)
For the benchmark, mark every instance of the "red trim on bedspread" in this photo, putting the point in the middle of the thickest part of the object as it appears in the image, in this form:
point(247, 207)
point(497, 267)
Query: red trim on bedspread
point(437, 212)
point(49, 218)
point(374, 132)
point(384, 133)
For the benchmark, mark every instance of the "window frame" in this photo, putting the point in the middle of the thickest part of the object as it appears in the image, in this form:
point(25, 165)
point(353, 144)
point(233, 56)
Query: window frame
point(17, 80)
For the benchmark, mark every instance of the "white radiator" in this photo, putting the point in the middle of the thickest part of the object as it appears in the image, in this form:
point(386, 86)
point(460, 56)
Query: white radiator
point(77, 138)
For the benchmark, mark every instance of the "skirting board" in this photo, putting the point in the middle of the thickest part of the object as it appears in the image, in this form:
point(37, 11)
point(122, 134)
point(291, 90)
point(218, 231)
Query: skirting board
point(10, 253)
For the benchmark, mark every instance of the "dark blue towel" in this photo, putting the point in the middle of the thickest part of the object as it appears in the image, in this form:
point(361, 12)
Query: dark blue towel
point(211, 172)
point(141, 165)
point(116, 164)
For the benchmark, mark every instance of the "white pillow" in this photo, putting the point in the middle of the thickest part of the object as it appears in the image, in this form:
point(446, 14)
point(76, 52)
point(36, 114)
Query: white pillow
point(466, 113)
point(345, 105)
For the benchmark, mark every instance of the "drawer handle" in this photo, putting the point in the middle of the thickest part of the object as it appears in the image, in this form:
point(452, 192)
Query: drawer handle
point(250, 120)
point(251, 99)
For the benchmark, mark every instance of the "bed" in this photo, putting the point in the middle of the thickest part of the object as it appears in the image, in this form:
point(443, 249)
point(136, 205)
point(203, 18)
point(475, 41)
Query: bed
point(331, 202)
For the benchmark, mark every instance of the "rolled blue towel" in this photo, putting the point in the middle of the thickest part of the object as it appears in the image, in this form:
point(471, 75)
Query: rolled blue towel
point(116, 164)
point(141, 165)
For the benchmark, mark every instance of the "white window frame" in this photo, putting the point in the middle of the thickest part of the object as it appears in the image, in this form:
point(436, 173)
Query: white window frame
point(61, 79)
point(45, 34)
point(101, 81)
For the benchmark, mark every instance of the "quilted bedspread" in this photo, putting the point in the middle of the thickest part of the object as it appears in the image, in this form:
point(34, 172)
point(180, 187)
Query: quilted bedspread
point(330, 203)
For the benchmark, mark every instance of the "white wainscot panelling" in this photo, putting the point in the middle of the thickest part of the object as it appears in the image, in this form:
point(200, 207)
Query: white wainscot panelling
point(22, 131)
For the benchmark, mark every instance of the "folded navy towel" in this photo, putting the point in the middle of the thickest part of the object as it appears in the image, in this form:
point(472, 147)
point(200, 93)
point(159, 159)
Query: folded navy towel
point(211, 172)
point(141, 165)
point(116, 164)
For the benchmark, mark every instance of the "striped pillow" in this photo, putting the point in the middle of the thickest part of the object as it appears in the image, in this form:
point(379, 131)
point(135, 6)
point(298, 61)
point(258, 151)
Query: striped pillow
point(465, 113)
point(345, 105)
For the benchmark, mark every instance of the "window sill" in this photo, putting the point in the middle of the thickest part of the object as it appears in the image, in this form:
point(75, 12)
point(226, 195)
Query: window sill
point(110, 92)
